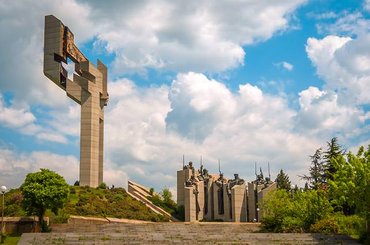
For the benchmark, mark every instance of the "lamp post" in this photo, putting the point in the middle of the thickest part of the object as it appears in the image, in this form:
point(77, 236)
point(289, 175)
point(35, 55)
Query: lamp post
point(258, 214)
point(3, 189)
point(292, 187)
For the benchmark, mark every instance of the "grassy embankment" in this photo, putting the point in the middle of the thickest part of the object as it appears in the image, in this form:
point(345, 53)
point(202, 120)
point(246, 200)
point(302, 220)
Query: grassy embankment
point(94, 202)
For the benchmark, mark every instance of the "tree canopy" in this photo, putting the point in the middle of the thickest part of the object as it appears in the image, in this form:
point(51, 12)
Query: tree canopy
point(283, 181)
point(317, 175)
point(351, 181)
point(44, 190)
point(334, 150)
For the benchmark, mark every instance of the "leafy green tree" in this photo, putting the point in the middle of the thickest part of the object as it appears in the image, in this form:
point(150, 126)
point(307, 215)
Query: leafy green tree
point(317, 175)
point(333, 151)
point(44, 190)
point(283, 181)
point(351, 182)
point(166, 195)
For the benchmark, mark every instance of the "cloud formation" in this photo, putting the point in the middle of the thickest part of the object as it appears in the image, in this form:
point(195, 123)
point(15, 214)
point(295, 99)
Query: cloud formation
point(344, 64)
point(148, 129)
point(193, 36)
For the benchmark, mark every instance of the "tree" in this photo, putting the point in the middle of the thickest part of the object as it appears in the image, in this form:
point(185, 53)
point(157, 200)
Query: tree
point(166, 195)
point(283, 181)
point(333, 151)
point(317, 175)
point(44, 190)
point(351, 182)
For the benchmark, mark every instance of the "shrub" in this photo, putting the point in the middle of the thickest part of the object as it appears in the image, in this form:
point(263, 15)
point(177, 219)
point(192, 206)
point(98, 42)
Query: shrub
point(352, 225)
point(60, 218)
point(292, 224)
point(283, 212)
point(327, 225)
point(102, 186)
point(119, 197)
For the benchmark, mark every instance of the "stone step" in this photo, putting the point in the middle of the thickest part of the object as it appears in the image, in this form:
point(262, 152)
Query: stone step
point(173, 233)
point(83, 230)
point(164, 238)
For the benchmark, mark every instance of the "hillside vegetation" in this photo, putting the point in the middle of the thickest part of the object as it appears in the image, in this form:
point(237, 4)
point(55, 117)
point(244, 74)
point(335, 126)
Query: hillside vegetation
point(86, 201)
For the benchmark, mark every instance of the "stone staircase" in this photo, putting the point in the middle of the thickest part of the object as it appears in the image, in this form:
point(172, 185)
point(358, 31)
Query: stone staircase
point(141, 193)
point(173, 233)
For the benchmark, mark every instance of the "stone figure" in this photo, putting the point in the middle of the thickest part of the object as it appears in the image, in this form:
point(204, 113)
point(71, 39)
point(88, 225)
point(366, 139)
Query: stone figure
point(259, 178)
point(197, 206)
point(220, 193)
point(230, 184)
point(189, 166)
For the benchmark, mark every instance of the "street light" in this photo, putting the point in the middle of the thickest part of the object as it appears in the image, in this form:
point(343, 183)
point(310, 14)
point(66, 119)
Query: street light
point(3, 189)
point(258, 214)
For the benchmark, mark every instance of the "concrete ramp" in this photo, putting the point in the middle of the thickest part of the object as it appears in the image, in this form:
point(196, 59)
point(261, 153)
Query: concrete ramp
point(141, 193)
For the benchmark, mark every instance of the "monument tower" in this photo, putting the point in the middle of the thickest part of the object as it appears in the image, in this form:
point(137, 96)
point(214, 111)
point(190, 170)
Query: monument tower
point(88, 88)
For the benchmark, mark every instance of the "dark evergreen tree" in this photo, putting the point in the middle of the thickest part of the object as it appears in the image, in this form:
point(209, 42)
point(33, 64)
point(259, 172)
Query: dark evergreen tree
point(330, 155)
point(317, 175)
point(283, 181)
point(306, 188)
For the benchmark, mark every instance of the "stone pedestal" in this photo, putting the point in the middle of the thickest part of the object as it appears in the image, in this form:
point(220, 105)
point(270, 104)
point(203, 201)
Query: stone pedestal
point(190, 208)
point(239, 203)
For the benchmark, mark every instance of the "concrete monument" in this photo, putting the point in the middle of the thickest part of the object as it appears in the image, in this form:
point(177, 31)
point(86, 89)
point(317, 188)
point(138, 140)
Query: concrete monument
point(214, 197)
point(88, 88)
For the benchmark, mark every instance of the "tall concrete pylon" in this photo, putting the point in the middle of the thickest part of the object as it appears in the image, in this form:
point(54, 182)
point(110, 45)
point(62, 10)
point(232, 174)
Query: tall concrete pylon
point(88, 88)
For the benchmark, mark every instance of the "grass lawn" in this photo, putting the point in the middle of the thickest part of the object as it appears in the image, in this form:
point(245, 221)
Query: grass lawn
point(12, 239)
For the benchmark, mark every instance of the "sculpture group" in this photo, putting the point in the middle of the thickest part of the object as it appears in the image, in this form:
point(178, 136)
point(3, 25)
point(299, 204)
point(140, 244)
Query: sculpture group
point(213, 197)
point(88, 88)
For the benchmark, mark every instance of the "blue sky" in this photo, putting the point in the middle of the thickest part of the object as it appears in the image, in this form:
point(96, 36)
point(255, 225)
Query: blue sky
point(243, 82)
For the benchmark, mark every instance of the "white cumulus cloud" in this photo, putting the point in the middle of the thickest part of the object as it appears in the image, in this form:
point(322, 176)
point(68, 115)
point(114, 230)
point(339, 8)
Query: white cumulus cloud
point(344, 64)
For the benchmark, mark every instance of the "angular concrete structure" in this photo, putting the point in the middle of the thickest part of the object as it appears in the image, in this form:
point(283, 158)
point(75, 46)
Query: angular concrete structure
point(88, 88)
point(213, 197)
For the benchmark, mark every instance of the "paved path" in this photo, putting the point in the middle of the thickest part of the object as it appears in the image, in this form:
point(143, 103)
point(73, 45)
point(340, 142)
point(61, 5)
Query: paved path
point(172, 233)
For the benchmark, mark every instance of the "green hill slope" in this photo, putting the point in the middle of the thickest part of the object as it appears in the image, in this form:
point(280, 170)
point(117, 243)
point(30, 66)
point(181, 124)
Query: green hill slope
point(86, 201)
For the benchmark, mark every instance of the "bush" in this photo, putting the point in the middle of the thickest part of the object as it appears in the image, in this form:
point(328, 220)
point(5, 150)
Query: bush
point(352, 225)
point(102, 186)
point(292, 224)
point(328, 225)
point(61, 218)
point(283, 212)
